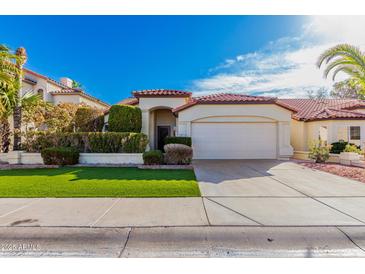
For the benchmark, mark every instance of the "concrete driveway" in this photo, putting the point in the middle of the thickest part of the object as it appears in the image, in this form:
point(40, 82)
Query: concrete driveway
point(277, 193)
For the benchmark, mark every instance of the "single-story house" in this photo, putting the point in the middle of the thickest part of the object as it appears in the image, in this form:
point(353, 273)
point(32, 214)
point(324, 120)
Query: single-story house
point(237, 126)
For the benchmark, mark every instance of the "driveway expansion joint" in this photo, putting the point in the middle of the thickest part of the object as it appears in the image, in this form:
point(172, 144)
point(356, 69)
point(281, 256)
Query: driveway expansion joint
point(228, 208)
point(106, 212)
point(308, 196)
point(125, 244)
point(206, 213)
point(349, 238)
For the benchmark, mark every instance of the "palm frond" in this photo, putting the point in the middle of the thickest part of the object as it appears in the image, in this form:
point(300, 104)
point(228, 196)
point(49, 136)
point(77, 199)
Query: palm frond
point(342, 50)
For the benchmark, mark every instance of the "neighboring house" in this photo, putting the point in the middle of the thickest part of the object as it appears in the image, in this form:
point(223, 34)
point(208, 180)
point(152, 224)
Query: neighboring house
point(330, 119)
point(57, 92)
point(236, 126)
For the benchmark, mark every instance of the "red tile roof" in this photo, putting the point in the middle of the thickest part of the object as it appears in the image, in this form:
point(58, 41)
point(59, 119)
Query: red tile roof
point(231, 98)
point(319, 109)
point(128, 101)
point(161, 92)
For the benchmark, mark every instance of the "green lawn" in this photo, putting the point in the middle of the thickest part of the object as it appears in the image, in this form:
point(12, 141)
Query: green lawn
point(97, 182)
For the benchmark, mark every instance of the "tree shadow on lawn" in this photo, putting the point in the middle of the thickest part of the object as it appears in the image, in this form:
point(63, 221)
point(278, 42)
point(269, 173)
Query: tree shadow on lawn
point(103, 173)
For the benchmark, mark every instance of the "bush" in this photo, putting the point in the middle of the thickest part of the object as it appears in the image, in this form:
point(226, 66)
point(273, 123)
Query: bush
point(178, 154)
point(178, 140)
point(339, 147)
point(123, 118)
point(60, 156)
point(153, 157)
point(97, 142)
point(35, 141)
point(89, 119)
point(318, 152)
point(352, 148)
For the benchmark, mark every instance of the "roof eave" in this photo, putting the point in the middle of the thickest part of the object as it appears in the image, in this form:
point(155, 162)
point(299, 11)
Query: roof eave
point(273, 102)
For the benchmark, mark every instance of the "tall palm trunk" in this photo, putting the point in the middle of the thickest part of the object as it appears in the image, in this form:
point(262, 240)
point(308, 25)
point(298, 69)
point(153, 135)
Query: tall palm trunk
point(17, 114)
point(4, 134)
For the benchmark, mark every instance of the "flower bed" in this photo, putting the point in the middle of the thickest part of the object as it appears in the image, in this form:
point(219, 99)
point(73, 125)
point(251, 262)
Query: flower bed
point(355, 173)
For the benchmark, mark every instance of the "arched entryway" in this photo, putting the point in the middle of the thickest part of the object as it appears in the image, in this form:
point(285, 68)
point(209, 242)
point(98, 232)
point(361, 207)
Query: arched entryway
point(162, 124)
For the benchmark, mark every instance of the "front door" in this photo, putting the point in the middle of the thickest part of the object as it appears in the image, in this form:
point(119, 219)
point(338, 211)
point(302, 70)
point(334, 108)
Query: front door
point(162, 133)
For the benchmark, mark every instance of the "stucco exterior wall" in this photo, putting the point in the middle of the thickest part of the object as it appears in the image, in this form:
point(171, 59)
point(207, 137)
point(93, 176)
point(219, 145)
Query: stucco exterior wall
point(60, 98)
point(157, 102)
point(298, 135)
point(156, 111)
point(302, 133)
point(273, 112)
point(91, 103)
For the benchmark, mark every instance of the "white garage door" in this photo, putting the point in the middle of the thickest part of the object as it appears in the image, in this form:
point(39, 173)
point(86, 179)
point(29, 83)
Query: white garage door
point(234, 140)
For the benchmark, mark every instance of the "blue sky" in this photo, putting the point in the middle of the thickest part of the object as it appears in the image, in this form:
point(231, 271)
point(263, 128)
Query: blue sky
point(114, 55)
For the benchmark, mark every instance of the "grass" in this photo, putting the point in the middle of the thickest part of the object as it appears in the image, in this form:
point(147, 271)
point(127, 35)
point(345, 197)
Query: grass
point(97, 182)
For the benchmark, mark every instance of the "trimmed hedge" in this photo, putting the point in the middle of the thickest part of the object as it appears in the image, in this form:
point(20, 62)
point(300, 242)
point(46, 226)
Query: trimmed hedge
point(339, 147)
point(89, 119)
point(153, 157)
point(124, 118)
point(178, 154)
point(60, 156)
point(178, 140)
point(97, 142)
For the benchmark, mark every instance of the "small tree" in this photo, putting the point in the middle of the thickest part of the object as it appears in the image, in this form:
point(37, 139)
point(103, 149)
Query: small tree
point(124, 118)
point(89, 119)
point(348, 89)
point(61, 117)
point(318, 151)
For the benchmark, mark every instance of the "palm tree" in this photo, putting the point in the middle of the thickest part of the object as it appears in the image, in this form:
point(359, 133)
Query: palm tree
point(17, 114)
point(8, 90)
point(344, 58)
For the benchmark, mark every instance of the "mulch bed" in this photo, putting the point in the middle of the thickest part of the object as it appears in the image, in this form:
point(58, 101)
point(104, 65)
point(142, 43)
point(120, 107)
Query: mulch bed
point(351, 172)
point(7, 166)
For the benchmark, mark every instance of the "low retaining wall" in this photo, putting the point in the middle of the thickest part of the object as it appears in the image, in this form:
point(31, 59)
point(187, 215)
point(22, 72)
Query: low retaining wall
point(26, 158)
point(3, 158)
point(111, 158)
point(303, 155)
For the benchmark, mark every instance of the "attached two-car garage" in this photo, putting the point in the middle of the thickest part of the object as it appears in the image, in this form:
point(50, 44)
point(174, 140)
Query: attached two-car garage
point(232, 140)
point(236, 126)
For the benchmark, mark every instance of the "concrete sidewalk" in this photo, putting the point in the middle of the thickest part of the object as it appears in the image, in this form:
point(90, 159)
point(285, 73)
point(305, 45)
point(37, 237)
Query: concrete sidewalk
point(183, 242)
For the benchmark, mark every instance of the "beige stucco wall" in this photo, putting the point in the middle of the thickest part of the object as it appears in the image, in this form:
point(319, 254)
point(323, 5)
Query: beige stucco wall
point(147, 103)
point(150, 106)
point(91, 103)
point(43, 84)
point(302, 133)
point(61, 98)
point(75, 99)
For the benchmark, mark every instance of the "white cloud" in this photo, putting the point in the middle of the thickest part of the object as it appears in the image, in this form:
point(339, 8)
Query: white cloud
point(286, 67)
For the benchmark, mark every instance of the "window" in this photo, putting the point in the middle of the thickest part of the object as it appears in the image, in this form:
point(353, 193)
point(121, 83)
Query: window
point(40, 93)
point(354, 133)
point(323, 135)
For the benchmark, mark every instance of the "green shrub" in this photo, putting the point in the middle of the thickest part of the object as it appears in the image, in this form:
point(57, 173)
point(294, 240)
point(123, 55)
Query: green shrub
point(153, 157)
point(89, 119)
point(178, 140)
point(352, 148)
point(60, 156)
point(35, 141)
point(123, 118)
point(178, 154)
point(318, 152)
point(338, 147)
point(97, 142)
